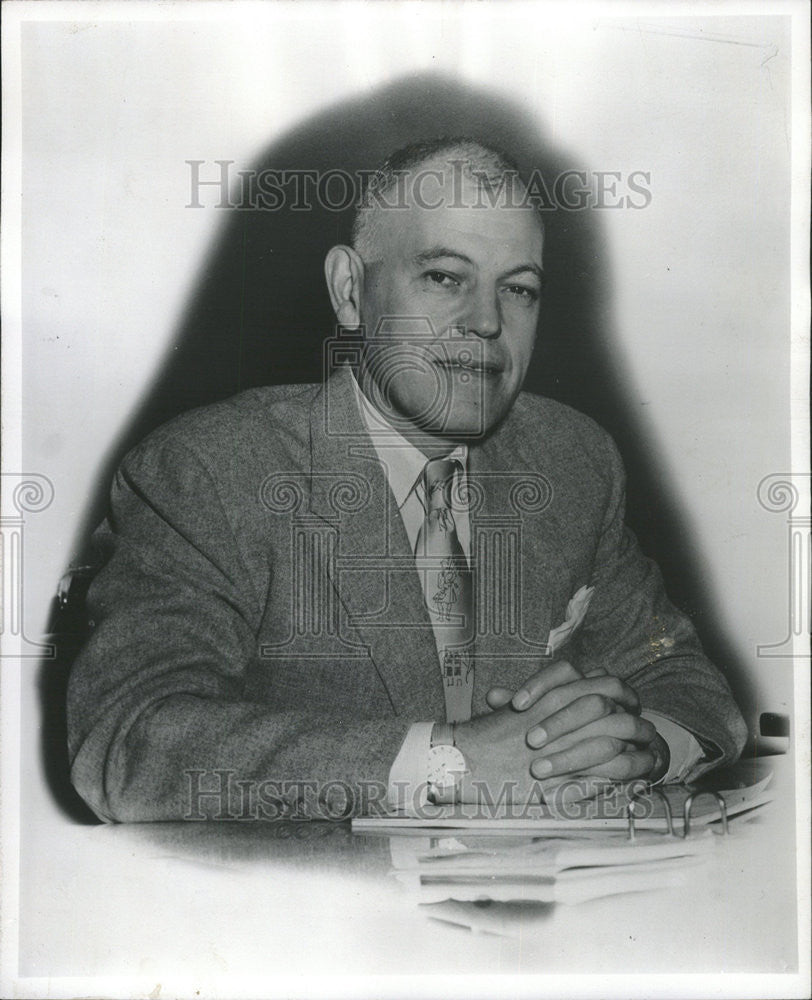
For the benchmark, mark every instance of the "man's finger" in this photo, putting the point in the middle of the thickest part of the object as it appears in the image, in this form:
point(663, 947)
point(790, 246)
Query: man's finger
point(548, 678)
point(586, 755)
point(497, 697)
point(609, 687)
point(585, 786)
point(585, 718)
point(626, 766)
point(572, 717)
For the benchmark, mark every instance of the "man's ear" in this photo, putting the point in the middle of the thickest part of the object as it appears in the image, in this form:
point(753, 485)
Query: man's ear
point(344, 271)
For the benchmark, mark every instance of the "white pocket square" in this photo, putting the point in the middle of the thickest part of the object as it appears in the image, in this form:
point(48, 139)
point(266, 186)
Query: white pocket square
point(576, 612)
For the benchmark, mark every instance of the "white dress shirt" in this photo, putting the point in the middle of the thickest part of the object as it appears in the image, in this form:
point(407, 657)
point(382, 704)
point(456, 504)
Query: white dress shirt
point(404, 464)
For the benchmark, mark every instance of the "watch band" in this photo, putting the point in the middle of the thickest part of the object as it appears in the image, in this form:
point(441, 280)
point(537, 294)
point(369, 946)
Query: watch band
point(442, 735)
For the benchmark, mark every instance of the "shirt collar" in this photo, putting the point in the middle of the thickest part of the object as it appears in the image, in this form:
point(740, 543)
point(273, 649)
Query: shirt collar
point(403, 462)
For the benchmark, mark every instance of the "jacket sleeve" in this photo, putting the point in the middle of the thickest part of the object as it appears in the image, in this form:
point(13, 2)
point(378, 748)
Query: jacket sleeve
point(634, 632)
point(159, 725)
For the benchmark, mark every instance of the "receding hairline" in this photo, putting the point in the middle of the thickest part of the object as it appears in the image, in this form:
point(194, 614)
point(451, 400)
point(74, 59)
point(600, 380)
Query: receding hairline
point(467, 158)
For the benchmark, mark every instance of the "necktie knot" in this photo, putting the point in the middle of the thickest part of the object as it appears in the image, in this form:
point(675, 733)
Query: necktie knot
point(438, 479)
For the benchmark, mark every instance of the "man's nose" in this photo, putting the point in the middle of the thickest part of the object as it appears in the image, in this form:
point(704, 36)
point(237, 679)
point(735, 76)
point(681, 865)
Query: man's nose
point(484, 317)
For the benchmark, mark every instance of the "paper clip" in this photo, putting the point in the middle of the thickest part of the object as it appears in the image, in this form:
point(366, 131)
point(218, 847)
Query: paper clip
point(689, 802)
point(686, 810)
point(669, 819)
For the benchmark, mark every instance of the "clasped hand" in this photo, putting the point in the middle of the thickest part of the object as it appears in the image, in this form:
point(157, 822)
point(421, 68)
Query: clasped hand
point(559, 726)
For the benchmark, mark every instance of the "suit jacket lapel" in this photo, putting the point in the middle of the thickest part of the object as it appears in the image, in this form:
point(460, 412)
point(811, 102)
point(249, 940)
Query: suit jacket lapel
point(373, 570)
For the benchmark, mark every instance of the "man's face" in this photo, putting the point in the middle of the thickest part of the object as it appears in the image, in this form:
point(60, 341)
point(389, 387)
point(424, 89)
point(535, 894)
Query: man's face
point(450, 309)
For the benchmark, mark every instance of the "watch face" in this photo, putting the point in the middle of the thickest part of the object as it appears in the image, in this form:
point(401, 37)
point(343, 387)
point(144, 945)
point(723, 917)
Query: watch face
point(446, 766)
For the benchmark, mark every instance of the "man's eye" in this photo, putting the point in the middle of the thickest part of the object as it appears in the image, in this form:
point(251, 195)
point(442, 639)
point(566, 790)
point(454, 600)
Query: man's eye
point(523, 293)
point(441, 279)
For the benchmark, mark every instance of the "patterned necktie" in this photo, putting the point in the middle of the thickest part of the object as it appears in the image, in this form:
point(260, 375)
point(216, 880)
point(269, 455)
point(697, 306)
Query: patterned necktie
point(447, 587)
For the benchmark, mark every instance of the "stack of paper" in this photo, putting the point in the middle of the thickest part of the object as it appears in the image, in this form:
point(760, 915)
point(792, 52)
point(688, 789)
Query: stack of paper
point(548, 870)
point(451, 859)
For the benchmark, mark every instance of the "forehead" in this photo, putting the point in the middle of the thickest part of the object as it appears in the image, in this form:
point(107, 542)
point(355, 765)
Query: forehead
point(455, 211)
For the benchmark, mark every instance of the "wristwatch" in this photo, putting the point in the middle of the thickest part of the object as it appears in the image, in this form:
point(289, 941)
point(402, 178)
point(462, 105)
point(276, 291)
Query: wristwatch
point(446, 766)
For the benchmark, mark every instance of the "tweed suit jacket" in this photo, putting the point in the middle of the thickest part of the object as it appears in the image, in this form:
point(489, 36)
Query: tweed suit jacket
point(260, 614)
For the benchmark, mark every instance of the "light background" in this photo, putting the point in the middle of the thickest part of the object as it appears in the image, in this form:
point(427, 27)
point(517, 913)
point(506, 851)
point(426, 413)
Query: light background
point(700, 280)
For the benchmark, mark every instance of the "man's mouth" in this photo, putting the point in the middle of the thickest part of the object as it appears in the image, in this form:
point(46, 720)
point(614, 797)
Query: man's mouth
point(465, 362)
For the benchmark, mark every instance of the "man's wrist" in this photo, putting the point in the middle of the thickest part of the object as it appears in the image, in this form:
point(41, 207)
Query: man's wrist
point(407, 775)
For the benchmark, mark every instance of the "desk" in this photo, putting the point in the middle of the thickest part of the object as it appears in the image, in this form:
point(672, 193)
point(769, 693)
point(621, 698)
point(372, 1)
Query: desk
point(252, 897)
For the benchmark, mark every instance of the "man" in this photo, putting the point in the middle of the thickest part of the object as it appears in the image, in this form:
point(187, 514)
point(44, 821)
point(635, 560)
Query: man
point(411, 583)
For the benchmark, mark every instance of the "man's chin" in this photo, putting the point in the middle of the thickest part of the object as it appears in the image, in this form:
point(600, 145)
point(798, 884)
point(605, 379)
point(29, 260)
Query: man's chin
point(468, 427)
point(459, 413)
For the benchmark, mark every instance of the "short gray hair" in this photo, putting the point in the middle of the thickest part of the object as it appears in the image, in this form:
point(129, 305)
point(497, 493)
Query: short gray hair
point(482, 162)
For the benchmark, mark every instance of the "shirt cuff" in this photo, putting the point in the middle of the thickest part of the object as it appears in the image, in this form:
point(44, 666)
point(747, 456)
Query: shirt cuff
point(408, 776)
point(683, 747)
